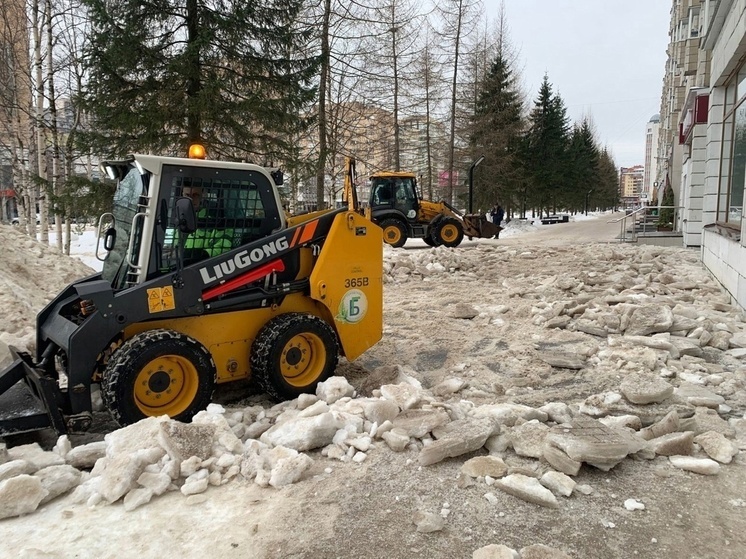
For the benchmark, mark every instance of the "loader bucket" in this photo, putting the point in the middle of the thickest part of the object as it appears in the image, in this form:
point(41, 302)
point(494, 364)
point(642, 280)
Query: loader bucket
point(27, 398)
point(477, 225)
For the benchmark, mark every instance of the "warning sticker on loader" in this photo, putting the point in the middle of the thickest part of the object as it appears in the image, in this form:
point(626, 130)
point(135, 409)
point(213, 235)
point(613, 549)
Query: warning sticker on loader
point(352, 307)
point(161, 299)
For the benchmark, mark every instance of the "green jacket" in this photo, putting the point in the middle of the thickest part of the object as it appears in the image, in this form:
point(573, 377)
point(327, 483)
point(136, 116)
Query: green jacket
point(213, 241)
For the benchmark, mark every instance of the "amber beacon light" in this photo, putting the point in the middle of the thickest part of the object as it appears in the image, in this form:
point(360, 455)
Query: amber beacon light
point(196, 151)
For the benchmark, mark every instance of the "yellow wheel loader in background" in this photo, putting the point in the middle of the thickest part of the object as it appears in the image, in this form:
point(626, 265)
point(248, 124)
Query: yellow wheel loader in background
point(397, 207)
point(205, 281)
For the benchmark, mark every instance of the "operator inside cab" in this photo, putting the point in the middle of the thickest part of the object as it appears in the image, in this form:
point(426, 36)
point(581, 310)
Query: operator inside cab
point(209, 239)
point(383, 193)
point(195, 193)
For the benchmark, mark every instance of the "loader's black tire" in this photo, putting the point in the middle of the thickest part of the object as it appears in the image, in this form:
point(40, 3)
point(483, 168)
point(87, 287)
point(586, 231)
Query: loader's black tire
point(394, 232)
point(159, 372)
point(430, 238)
point(448, 232)
point(293, 353)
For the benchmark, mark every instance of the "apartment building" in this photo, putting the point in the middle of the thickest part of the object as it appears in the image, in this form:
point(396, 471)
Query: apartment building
point(631, 181)
point(703, 133)
point(686, 68)
point(15, 100)
point(366, 133)
point(649, 181)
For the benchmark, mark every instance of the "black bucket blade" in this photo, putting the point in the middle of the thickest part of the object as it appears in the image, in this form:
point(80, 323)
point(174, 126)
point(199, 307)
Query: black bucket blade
point(27, 399)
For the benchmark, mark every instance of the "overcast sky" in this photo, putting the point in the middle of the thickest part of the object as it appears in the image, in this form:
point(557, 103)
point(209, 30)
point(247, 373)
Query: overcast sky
point(606, 58)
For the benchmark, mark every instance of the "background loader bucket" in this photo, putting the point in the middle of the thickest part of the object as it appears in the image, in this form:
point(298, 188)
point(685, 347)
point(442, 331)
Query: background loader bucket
point(477, 225)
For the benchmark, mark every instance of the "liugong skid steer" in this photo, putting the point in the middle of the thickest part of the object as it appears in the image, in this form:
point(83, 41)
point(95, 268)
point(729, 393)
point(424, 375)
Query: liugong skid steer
point(205, 280)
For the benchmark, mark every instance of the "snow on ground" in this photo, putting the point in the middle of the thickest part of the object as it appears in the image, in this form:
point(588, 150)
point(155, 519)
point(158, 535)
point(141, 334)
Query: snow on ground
point(82, 246)
point(31, 273)
point(469, 425)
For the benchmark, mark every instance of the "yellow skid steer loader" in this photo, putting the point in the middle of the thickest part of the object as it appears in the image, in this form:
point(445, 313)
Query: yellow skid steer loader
point(205, 281)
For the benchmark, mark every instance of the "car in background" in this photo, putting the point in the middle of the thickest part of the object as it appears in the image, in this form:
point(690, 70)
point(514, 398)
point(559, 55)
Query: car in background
point(17, 220)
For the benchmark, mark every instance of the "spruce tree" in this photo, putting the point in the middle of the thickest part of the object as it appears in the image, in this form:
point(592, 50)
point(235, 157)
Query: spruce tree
point(235, 76)
point(496, 134)
point(545, 148)
point(607, 195)
point(582, 167)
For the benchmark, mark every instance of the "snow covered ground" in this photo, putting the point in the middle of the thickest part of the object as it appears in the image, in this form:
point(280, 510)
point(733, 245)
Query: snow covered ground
point(466, 427)
point(83, 245)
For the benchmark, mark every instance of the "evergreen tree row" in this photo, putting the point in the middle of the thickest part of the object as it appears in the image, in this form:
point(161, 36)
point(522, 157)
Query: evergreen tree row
point(536, 163)
point(233, 75)
point(290, 83)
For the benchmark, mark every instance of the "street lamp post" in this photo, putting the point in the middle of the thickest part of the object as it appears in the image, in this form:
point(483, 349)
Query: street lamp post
point(587, 196)
point(471, 182)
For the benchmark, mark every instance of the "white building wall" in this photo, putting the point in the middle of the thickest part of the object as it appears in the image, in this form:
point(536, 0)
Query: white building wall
point(692, 181)
point(724, 257)
point(726, 261)
point(731, 42)
point(712, 150)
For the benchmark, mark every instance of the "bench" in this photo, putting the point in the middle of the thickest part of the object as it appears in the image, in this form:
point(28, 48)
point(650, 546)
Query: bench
point(551, 219)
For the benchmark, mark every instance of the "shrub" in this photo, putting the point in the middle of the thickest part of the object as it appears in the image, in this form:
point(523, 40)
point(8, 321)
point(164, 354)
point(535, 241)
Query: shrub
point(665, 215)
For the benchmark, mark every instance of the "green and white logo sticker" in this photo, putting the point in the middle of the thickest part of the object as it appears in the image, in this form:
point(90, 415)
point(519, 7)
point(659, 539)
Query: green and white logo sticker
point(352, 307)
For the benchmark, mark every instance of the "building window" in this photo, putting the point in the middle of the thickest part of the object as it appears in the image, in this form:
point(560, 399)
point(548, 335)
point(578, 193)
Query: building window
point(734, 198)
point(693, 22)
point(733, 151)
point(733, 160)
point(741, 87)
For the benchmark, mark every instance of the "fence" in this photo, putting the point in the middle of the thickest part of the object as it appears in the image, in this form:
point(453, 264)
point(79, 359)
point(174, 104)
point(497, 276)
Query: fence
point(649, 221)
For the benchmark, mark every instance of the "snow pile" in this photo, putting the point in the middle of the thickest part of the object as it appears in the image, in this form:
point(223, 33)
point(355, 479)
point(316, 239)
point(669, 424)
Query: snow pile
point(519, 227)
point(503, 358)
point(271, 446)
point(424, 263)
point(31, 275)
point(82, 246)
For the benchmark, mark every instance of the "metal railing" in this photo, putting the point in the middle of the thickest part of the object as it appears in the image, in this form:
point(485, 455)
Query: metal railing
point(648, 221)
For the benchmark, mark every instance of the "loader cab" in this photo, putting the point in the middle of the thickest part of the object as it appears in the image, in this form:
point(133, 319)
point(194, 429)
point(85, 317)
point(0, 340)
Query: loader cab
point(390, 191)
point(233, 204)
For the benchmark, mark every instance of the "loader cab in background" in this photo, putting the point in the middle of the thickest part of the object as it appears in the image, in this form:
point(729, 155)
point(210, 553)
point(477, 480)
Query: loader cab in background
point(395, 206)
point(398, 193)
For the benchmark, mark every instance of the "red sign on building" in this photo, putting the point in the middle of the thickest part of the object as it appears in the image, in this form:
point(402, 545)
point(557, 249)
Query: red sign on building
point(695, 112)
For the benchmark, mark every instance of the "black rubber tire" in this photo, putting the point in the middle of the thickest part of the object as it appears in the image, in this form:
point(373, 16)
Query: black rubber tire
point(269, 355)
point(118, 386)
point(388, 226)
point(431, 230)
point(428, 240)
point(445, 225)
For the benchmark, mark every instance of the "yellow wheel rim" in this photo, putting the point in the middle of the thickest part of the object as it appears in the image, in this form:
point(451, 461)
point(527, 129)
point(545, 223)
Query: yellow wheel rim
point(392, 234)
point(166, 385)
point(302, 360)
point(449, 233)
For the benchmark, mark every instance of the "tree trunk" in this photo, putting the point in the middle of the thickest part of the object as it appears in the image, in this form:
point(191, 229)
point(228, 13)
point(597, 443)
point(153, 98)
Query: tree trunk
point(193, 82)
point(395, 63)
point(39, 124)
point(55, 185)
point(323, 84)
point(454, 83)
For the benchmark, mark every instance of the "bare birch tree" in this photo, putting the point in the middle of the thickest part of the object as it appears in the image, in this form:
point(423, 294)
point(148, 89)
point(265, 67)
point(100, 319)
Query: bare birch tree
point(457, 17)
point(430, 88)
